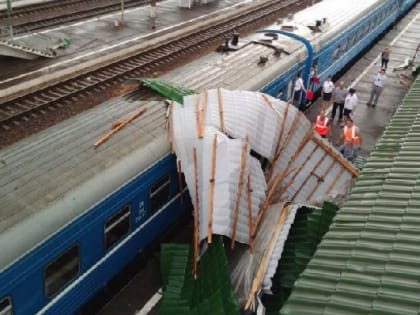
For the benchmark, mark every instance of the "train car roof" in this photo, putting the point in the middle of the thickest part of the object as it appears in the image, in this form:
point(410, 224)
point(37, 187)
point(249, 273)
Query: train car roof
point(242, 67)
point(58, 169)
point(52, 177)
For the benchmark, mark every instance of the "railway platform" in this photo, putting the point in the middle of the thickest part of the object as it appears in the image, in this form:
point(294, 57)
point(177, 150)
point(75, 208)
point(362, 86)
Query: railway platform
point(403, 40)
point(103, 38)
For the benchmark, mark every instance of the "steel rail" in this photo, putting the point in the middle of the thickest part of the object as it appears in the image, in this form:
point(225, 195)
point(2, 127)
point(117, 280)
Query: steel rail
point(44, 15)
point(145, 63)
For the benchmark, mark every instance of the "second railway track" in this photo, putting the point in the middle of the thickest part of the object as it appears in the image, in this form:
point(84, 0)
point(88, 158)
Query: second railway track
point(19, 111)
point(43, 15)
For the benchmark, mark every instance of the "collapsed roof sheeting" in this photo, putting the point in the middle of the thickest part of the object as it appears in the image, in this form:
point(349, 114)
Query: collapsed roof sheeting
point(244, 151)
point(256, 269)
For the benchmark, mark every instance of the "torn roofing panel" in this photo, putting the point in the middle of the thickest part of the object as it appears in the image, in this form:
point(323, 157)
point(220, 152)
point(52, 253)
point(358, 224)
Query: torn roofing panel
point(221, 136)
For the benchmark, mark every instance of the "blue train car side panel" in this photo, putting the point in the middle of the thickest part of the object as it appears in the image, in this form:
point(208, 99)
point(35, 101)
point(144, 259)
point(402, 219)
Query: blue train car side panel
point(334, 55)
point(97, 266)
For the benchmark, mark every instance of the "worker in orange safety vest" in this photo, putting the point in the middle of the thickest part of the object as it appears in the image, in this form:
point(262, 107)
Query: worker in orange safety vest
point(351, 140)
point(322, 125)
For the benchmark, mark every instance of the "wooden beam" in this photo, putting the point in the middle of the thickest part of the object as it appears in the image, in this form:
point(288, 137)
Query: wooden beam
point(309, 175)
point(181, 188)
point(220, 102)
point(267, 200)
point(197, 115)
point(171, 128)
point(211, 190)
point(325, 173)
point(203, 113)
point(238, 191)
point(196, 215)
point(256, 283)
point(332, 184)
point(290, 132)
point(337, 156)
point(119, 126)
point(277, 152)
point(302, 165)
point(249, 204)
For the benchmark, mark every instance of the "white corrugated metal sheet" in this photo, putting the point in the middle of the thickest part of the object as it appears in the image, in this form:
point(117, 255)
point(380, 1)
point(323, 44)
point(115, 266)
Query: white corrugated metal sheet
point(225, 130)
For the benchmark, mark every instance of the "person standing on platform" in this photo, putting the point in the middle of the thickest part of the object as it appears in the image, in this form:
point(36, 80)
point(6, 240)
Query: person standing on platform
point(298, 89)
point(313, 78)
point(153, 13)
point(322, 126)
point(385, 57)
point(327, 89)
point(378, 85)
point(338, 97)
point(350, 104)
point(351, 140)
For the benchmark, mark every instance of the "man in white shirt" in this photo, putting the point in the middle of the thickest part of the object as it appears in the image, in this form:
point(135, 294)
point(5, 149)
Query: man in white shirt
point(299, 88)
point(378, 85)
point(350, 103)
point(327, 90)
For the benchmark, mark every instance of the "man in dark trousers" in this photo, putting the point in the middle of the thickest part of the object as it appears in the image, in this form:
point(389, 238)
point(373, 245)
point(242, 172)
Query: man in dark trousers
point(378, 85)
point(339, 96)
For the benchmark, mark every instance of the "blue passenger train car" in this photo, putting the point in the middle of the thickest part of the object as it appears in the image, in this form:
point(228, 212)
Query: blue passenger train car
point(72, 216)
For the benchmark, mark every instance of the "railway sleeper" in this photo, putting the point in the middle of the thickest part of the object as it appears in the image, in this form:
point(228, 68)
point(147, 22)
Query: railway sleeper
point(62, 90)
point(38, 99)
point(56, 93)
point(113, 71)
point(22, 106)
point(48, 97)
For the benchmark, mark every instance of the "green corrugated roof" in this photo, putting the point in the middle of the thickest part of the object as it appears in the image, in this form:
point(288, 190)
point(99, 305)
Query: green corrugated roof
point(305, 234)
point(210, 293)
point(369, 261)
point(169, 90)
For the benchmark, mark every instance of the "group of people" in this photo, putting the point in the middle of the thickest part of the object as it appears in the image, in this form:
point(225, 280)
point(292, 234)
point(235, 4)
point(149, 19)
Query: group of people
point(350, 136)
point(344, 102)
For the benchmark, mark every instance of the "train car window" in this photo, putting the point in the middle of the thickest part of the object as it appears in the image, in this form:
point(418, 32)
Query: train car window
point(117, 226)
point(360, 34)
point(336, 53)
point(352, 40)
point(344, 45)
point(159, 193)
point(393, 8)
point(62, 270)
point(289, 90)
point(6, 306)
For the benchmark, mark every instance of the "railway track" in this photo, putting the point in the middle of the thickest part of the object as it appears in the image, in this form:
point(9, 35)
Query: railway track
point(21, 110)
point(43, 15)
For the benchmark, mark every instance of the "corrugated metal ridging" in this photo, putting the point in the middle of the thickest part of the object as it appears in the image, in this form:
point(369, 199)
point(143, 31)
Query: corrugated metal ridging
point(368, 262)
